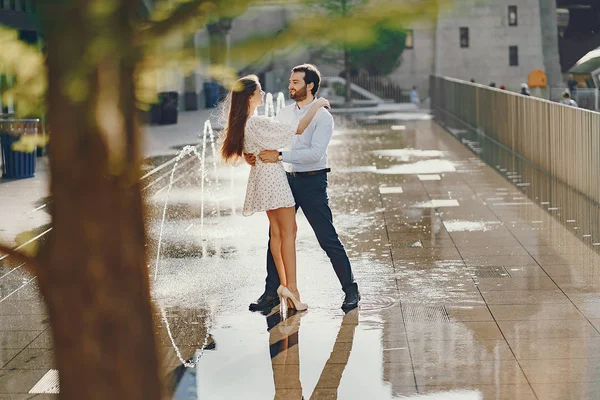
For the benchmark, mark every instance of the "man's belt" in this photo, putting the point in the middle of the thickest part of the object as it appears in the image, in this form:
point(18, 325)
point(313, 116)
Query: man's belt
point(310, 173)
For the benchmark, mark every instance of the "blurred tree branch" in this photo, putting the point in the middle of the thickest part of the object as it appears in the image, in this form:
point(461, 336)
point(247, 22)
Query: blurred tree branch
point(19, 256)
point(169, 17)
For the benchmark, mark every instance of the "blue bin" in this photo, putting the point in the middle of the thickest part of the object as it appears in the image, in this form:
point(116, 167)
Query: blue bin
point(15, 164)
point(211, 94)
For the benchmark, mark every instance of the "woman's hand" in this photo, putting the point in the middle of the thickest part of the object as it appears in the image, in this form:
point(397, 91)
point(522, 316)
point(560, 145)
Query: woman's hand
point(322, 102)
point(250, 158)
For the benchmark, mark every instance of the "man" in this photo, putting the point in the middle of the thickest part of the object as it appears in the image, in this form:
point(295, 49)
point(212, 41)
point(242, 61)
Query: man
point(306, 166)
point(572, 84)
point(567, 100)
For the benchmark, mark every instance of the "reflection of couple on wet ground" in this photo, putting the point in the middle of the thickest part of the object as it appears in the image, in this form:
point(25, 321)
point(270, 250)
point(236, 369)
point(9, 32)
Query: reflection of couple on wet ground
point(304, 128)
point(284, 347)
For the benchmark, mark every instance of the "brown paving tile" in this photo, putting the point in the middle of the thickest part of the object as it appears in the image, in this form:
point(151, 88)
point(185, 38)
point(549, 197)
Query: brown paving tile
point(524, 297)
point(517, 271)
point(573, 271)
point(443, 242)
point(494, 392)
point(452, 331)
point(525, 312)
point(481, 373)
point(43, 341)
point(547, 348)
point(23, 322)
point(19, 381)
point(562, 370)
point(6, 355)
point(595, 322)
point(583, 297)
point(468, 313)
point(578, 280)
point(567, 391)
point(463, 243)
point(32, 359)
point(492, 250)
point(426, 252)
point(500, 260)
point(459, 352)
point(542, 329)
point(590, 310)
point(586, 256)
point(399, 374)
point(490, 235)
point(16, 339)
point(21, 307)
point(517, 284)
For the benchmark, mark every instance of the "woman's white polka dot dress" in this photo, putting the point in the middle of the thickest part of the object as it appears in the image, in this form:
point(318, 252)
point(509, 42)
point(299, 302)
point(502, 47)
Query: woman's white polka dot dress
point(268, 187)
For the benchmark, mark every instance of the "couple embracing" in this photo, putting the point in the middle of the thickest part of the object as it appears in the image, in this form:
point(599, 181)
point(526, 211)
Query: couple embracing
point(306, 128)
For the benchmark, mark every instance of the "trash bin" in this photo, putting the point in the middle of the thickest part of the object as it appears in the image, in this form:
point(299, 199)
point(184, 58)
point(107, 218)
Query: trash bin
point(17, 164)
point(169, 107)
point(211, 94)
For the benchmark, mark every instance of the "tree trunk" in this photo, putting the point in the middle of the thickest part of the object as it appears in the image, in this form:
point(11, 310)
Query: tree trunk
point(94, 277)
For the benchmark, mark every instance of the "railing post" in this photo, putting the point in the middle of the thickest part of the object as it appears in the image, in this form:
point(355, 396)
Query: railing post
point(596, 99)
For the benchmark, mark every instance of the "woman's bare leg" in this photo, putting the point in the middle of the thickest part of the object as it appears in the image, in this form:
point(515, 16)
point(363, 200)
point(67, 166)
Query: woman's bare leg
point(276, 247)
point(286, 220)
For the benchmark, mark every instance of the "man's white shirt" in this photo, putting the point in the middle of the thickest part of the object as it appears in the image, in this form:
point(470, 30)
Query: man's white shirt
point(307, 152)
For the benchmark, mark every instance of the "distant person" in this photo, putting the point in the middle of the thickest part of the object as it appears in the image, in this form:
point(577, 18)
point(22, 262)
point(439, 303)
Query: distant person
point(567, 100)
point(472, 80)
point(525, 90)
point(502, 87)
point(414, 96)
point(572, 84)
point(493, 84)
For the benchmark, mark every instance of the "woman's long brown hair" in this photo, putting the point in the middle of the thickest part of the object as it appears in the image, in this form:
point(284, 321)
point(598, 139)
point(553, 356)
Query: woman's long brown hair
point(239, 100)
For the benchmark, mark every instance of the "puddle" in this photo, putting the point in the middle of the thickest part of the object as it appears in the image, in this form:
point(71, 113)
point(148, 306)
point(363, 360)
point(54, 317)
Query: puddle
point(366, 168)
point(468, 226)
point(401, 116)
point(434, 177)
point(390, 190)
point(408, 154)
point(437, 203)
point(424, 167)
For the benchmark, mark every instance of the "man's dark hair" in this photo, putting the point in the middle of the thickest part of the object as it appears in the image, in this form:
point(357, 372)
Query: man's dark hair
point(566, 95)
point(311, 75)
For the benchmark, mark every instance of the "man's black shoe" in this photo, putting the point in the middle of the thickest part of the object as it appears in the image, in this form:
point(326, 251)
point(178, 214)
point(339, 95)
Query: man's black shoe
point(264, 302)
point(351, 301)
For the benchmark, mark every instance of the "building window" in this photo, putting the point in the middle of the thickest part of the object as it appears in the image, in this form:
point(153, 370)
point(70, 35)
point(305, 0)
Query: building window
point(512, 16)
point(513, 55)
point(409, 43)
point(464, 37)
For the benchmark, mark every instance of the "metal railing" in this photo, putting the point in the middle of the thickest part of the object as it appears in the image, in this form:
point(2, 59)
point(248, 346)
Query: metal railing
point(563, 141)
point(587, 98)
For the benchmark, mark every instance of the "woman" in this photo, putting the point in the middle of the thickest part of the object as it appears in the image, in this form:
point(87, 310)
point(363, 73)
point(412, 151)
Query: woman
point(268, 189)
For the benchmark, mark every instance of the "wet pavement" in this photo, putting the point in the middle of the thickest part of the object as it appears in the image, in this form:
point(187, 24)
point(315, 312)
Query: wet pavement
point(473, 286)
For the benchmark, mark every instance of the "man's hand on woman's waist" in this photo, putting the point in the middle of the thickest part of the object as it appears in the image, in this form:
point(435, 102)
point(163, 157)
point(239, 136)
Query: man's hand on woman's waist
point(269, 156)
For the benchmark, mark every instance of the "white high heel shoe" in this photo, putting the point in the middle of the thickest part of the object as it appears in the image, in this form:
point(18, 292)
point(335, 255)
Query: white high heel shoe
point(285, 294)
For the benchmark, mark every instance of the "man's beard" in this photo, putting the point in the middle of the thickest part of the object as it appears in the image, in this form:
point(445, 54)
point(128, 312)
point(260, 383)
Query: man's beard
point(299, 95)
